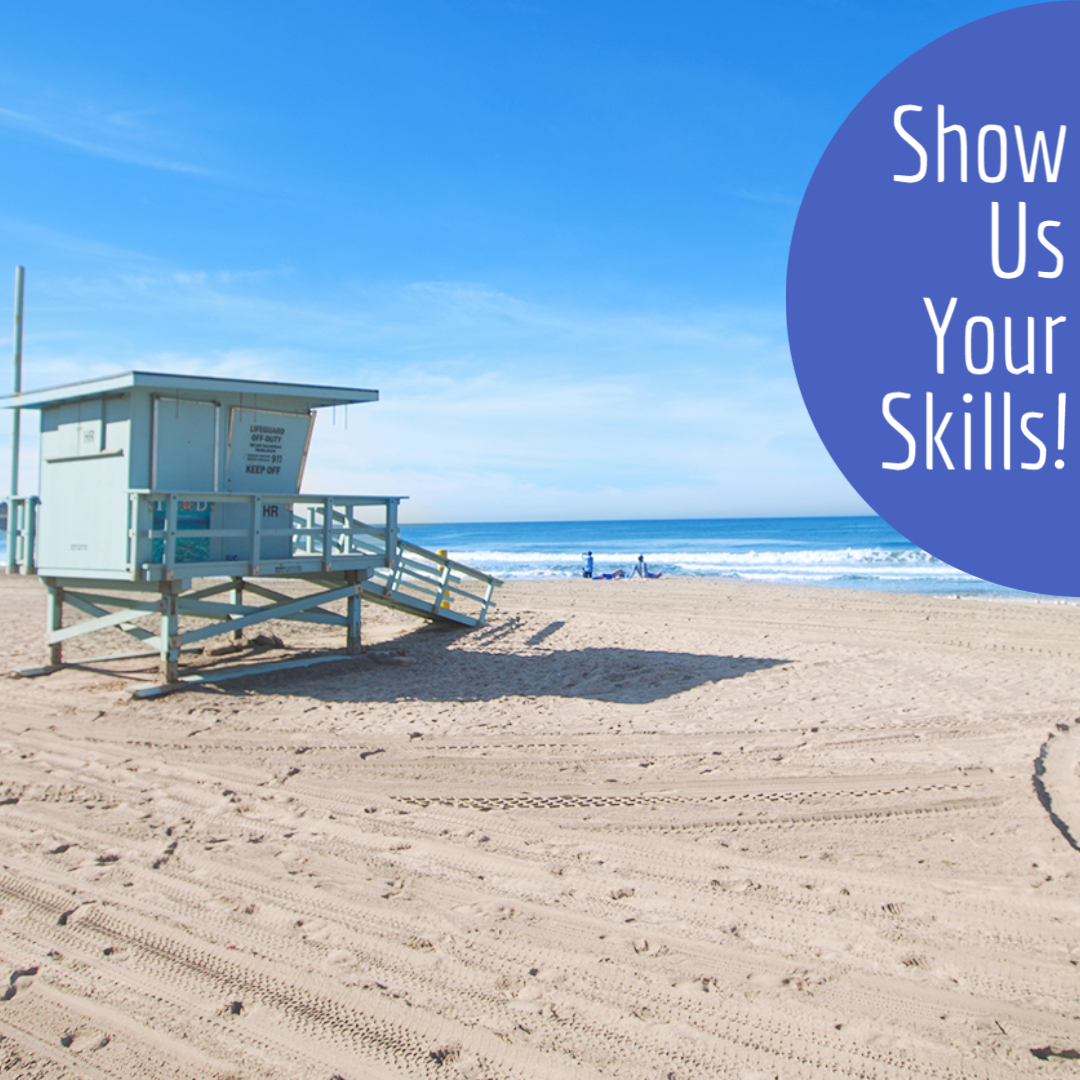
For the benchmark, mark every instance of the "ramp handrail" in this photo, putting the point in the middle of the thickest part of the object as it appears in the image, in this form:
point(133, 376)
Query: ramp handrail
point(434, 586)
point(431, 585)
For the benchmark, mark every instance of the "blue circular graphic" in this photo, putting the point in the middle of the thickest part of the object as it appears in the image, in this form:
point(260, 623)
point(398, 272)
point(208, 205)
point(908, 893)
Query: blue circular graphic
point(931, 299)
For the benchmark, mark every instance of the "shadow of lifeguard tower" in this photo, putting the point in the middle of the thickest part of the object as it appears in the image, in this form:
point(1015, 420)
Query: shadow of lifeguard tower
point(149, 482)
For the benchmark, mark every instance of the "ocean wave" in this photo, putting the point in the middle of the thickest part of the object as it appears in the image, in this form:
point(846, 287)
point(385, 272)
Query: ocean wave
point(849, 556)
point(815, 565)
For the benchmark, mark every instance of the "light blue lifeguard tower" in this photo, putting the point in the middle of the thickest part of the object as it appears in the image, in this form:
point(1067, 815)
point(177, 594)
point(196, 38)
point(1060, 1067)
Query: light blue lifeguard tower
point(150, 481)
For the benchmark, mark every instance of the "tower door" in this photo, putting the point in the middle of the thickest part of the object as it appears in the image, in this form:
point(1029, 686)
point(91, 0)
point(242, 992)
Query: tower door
point(184, 455)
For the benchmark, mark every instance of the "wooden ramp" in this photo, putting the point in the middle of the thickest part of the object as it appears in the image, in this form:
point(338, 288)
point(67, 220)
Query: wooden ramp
point(428, 584)
point(417, 581)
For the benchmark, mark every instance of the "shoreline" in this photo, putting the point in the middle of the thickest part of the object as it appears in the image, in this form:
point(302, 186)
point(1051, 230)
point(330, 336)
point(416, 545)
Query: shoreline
point(1011, 596)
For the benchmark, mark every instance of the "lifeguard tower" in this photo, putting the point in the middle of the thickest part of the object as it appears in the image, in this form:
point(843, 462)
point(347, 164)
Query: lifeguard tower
point(149, 482)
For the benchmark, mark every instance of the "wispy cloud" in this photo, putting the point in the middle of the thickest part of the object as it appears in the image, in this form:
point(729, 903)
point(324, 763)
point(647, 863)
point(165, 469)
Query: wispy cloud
point(493, 405)
point(121, 134)
point(436, 326)
point(105, 257)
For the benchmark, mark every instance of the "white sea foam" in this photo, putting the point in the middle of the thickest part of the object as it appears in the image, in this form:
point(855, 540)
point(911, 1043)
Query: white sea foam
point(807, 565)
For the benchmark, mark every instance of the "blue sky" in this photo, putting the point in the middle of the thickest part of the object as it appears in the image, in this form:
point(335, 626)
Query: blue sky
point(552, 234)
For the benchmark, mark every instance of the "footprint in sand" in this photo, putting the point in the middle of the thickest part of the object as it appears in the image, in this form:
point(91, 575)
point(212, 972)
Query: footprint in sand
point(84, 1040)
point(20, 979)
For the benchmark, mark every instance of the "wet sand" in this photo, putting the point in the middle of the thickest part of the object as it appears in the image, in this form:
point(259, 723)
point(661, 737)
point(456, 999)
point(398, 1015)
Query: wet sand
point(667, 829)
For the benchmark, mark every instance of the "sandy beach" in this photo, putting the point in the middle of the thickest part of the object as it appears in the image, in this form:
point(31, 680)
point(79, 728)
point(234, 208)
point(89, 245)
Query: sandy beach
point(659, 830)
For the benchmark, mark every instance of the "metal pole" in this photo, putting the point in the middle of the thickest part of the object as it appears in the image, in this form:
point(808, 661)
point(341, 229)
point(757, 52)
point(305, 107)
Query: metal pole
point(20, 276)
point(16, 417)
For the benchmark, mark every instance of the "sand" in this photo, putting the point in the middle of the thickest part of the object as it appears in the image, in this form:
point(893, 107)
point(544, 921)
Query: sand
point(670, 829)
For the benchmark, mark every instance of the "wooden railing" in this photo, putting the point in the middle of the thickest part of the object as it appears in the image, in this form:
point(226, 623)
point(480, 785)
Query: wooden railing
point(174, 533)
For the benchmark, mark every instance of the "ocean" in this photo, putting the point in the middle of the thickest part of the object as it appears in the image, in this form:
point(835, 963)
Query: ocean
point(845, 552)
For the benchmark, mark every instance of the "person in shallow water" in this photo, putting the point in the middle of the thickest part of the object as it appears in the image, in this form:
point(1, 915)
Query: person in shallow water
point(588, 568)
